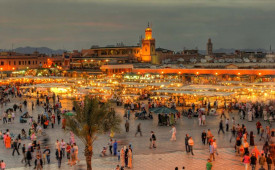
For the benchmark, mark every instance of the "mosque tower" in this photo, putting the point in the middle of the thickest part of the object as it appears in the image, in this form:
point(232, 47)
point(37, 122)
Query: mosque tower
point(148, 46)
point(209, 47)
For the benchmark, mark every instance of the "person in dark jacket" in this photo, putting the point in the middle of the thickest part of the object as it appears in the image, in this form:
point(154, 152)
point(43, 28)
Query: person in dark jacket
point(24, 153)
point(186, 143)
point(15, 147)
point(221, 127)
point(126, 157)
point(59, 157)
point(203, 137)
point(29, 157)
point(253, 161)
point(269, 161)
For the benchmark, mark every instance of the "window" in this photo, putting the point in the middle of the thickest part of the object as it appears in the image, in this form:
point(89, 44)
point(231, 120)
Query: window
point(9, 62)
point(19, 62)
point(2, 63)
point(29, 62)
point(36, 62)
point(14, 63)
point(33, 62)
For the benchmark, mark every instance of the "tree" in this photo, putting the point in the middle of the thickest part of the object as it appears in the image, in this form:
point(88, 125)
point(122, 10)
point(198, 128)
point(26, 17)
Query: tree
point(92, 118)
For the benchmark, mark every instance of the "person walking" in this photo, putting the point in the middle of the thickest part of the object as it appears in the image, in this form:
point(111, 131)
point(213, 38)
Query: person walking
point(29, 157)
point(47, 153)
point(115, 148)
point(262, 160)
point(126, 156)
point(212, 151)
point(63, 147)
point(269, 161)
point(68, 151)
point(186, 143)
point(110, 144)
point(233, 133)
point(153, 140)
point(59, 157)
point(222, 114)
point(258, 126)
point(246, 161)
point(24, 153)
point(252, 138)
point(130, 158)
point(39, 163)
point(227, 124)
point(262, 133)
point(266, 148)
point(191, 144)
point(72, 153)
point(208, 136)
point(15, 147)
point(221, 127)
point(138, 130)
point(122, 158)
point(127, 126)
point(253, 161)
point(203, 137)
point(174, 131)
point(76, 152)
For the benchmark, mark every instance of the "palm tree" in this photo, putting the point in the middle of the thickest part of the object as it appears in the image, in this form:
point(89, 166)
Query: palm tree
point(92, 118)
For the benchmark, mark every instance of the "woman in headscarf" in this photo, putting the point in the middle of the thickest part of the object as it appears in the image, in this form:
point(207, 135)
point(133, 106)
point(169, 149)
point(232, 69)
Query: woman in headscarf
point(130, 158)
point(122, 158)
point(251, 138)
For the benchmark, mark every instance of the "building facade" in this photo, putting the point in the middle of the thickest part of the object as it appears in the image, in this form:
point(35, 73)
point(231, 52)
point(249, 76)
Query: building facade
point(10, 61)
point(96, 56)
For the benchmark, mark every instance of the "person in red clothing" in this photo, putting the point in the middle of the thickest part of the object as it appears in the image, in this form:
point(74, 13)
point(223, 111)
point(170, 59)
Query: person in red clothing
point(68, 151)
point(258, 126)
point(246, 161)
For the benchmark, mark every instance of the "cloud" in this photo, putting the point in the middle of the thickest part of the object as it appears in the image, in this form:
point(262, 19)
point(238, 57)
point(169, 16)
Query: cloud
point(176, 23)
point(97, 24)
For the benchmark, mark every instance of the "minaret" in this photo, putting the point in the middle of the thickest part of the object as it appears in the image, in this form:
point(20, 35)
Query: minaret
point(209, 47)
point(148, 45)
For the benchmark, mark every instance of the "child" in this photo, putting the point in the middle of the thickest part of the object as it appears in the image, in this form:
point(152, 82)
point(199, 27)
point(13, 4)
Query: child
point(103, 152)
point(3, 165)
point(118, 155)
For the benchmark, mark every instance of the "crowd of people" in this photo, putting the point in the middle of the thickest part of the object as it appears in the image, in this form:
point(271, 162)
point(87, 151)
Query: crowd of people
point(33, 144)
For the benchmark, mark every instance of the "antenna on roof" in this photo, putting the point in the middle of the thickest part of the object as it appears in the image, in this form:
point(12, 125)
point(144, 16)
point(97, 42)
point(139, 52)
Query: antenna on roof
point(148, 24)
point(11, 47)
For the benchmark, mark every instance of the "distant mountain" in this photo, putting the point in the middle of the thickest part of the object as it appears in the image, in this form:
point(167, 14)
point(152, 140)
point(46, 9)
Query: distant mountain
point(42, 50)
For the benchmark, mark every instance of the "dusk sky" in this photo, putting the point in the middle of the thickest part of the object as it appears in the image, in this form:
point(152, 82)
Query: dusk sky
point(77, 24)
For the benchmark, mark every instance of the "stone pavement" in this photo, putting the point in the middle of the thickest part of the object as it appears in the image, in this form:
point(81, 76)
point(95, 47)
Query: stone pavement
point(226, 160)
point(167, 156)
